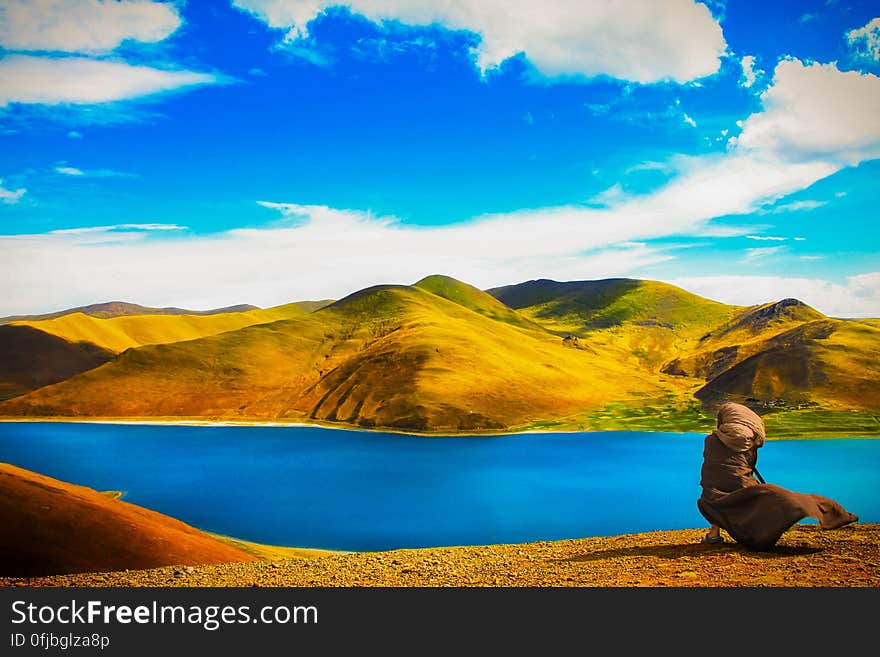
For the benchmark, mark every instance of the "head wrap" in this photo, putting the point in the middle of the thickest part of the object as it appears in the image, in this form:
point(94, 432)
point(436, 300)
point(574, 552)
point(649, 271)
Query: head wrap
point(739, 427)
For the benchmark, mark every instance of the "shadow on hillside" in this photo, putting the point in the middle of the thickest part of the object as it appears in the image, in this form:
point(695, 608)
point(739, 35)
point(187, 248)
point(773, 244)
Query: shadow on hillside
point(693, 550)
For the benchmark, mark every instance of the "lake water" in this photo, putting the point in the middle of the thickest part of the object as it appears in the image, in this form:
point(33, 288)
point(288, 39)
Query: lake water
point(352, 490)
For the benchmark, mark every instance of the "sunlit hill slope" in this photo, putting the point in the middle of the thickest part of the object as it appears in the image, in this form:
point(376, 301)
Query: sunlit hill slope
point(35, 353)
point(443, 356)
point(50, 527)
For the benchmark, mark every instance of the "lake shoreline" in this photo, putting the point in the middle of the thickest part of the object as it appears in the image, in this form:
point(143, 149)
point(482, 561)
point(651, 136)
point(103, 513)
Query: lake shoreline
point(227, 422)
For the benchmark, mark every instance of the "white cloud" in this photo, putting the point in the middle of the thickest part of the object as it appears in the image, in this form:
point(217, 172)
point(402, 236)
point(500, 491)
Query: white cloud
point(639, 40)
point(766, 238)
point(91, 173)
point(864, 42)
point(750, 73)
point(85, 26)
point(317, 251)
point(751, 255)
point(78, 80)
point(690, 121)
point(11, 196)
point(73, 134)
point(859, 296)
point(815, 112)
point(796, 206)
point(69, 171)
point(322, 252)
point(116, 227)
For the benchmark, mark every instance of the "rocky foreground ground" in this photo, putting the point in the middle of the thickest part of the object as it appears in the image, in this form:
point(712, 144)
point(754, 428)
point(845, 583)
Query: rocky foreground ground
point(805, 556)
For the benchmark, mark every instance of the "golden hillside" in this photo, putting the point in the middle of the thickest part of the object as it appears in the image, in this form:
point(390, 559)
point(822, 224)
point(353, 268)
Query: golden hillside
point(390, 356)
point(51, 526)
point(442, 356)
point(119, 333)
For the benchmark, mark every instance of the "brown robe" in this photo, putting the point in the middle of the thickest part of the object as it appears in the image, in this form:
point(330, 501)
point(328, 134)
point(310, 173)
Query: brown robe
point(754, 514)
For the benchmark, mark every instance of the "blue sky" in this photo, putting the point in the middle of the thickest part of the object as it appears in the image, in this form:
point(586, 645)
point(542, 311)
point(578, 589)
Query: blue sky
point(262, 151)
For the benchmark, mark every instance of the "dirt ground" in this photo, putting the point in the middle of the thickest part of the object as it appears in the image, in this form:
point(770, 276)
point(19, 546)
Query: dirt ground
point(805, 556)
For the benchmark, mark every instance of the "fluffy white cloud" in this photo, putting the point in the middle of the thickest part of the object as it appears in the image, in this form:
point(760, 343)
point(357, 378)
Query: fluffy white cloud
point(816, 111)
point(319, 252)
point(864, 42)
point(639, 40)
point(750, 73)
point(79, 80)
point(86, 26)
point(10, 196)
point(859, 296)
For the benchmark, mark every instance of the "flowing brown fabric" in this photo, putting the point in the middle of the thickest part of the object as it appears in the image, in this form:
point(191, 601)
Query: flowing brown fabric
point(739, 427)
point(755, 515)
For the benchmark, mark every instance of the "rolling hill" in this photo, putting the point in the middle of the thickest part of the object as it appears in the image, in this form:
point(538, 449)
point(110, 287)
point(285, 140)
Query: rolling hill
point(441, 356)
point(31, 359)
point(390, 356)
point(644, 323)
point(53, 527)
point(827, 362)
point(746, 334)
point(41, 352)
point(123, 332)
point(121, 308)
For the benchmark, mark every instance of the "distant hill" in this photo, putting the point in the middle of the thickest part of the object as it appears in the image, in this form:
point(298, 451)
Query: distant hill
point(123, 308)
point(826, 362)
point(41, 352)
point(117, 334)
point(31, 359)
point(581, 306)
point(53, 527)
point(645, 322)
point(743, 336)
point(443, 356)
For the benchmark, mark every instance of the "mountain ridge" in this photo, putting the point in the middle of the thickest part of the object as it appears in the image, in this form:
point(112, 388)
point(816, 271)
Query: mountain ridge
point(443, 356)
point(107, 309)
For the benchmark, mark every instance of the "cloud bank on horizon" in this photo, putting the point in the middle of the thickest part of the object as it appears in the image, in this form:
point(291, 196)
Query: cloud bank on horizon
point(345, 144)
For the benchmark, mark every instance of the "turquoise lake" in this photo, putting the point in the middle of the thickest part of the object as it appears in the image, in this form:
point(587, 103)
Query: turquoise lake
point(353, 490)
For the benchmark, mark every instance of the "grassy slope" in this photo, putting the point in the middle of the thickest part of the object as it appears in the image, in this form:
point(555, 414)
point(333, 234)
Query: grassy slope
point(116, 334)
point(746, 334)
point(31, 359)
point(828, 362)
point(646, 322)
point(796, 353)
point(443, 356)
point(580, 307)
point(50, 526)
point(473, 299)
point(120, 308)
point(398, 357)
